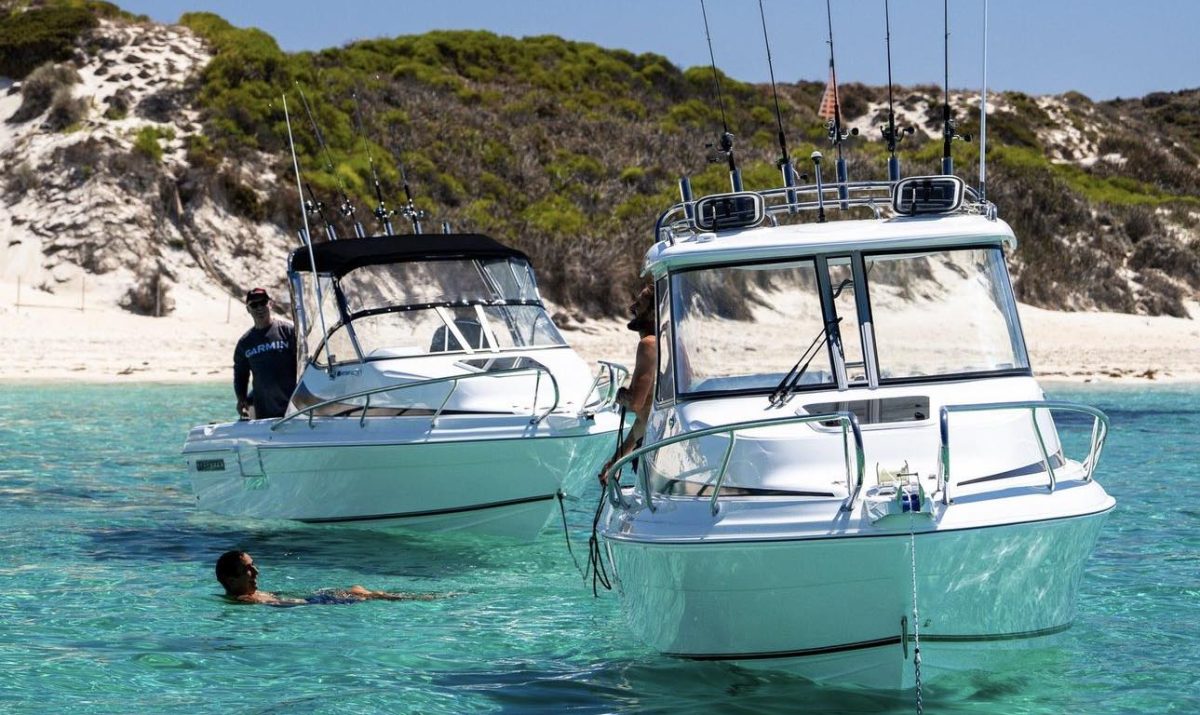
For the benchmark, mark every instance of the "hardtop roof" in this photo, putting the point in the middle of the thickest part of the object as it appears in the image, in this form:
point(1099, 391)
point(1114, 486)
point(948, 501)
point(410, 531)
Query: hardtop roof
point(769, 243)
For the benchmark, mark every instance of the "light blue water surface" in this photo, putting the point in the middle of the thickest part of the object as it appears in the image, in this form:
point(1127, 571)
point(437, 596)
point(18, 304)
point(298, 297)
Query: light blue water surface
point(108, 602)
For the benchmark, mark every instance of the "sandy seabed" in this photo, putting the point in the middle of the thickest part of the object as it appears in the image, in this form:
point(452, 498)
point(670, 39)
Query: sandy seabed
point(63, 337)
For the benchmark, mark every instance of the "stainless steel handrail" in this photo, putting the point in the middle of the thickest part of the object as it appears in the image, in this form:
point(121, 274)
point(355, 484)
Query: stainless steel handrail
point(848, 421)
point(1096, 443)
point(432, 381)
point(609, 398)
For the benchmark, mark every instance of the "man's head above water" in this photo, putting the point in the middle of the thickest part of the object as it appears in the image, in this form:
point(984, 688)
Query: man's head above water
point(237, 573)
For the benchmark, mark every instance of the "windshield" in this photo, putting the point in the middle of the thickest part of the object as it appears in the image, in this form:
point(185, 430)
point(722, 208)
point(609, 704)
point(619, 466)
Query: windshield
point(744, 327)
point(943, 313)
point(419, 308)
point(929, 314)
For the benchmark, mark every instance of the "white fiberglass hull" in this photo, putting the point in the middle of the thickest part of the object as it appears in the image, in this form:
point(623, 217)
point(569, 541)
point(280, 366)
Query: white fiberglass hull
point(829, 606)
point(496, 475)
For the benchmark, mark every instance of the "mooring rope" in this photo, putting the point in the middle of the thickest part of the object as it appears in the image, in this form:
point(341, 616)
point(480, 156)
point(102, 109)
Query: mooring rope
point(595, 563)
point(912, 536)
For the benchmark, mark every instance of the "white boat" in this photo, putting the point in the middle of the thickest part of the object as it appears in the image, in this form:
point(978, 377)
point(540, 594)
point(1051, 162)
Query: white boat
point(435, 393)
point(848, 461)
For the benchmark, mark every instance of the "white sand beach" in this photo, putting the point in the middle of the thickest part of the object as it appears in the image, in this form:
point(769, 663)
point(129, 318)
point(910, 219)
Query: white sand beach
point(49, 338)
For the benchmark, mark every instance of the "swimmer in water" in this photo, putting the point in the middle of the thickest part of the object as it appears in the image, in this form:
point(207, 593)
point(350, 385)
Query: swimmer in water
point(239, 576)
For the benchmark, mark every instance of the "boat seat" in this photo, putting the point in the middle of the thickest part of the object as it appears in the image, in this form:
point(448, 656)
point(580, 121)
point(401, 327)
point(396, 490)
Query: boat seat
point(445, 341)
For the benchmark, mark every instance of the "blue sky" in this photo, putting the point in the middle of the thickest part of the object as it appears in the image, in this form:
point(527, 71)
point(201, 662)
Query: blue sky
point(1103, 48)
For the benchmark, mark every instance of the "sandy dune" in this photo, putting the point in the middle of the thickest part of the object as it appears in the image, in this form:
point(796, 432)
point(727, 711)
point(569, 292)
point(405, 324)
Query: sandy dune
point(48, 338)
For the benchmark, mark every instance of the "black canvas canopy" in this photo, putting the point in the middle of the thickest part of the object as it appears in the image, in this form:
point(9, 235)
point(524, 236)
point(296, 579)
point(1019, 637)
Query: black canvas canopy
point(341, 257)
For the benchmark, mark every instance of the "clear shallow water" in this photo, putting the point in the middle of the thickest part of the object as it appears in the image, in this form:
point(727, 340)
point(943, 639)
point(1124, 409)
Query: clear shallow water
point(108, 603)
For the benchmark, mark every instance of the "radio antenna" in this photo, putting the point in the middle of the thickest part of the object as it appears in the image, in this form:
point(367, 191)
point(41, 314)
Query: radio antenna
point(347, 206)
point(312, 259)
point(836, 135)
point(381, 212)
point(785, 161)
point(890, 134)
point(725, 146)
point(948, 123)
point(983, 115)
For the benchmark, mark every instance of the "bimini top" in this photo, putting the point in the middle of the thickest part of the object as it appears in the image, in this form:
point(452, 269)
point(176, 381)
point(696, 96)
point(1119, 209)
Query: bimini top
point(341, 257)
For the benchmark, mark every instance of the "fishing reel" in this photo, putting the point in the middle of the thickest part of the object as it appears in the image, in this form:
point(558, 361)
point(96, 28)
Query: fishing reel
point(949, 134)
point(893, 135)
point(836, 136)
point(314, 207)
point(723, 151)
point(383, 213)
point(411, 212)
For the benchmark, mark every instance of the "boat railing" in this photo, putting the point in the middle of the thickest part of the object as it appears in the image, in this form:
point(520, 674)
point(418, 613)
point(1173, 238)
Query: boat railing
point(680, 220)
point(609, 379)
point(1096, 444)
point(850, 433)
point(309, 410)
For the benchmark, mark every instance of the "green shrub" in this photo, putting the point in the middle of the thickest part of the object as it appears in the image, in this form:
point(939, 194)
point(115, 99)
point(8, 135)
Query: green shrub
point(34, 37)
point(146, 141)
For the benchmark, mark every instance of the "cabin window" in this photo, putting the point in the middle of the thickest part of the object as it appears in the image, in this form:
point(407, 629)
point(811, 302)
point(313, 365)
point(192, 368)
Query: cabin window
point(742, 328)
point(941, 313)
point(664, 385)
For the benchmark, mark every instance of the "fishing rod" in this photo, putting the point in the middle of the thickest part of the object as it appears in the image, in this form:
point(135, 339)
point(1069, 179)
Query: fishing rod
point(836, 135)
point(890, 134)
point(785, 161)
point(409, 210)
point(948, 123)
point(316, 208)
point(725, 145)
point(346, 208)
point(381, 212)
point(312, 259)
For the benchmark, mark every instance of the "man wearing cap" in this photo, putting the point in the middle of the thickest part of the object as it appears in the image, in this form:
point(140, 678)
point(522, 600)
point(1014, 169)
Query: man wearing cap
point(268, 352)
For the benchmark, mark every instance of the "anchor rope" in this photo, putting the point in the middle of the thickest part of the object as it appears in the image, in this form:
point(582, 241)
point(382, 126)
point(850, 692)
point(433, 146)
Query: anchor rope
point(562, 510)
point(595, 564)
point(912, 536)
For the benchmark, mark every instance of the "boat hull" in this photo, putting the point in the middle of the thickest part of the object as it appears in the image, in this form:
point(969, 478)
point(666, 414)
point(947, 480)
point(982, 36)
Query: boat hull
point(840, 609)
point(497, 476)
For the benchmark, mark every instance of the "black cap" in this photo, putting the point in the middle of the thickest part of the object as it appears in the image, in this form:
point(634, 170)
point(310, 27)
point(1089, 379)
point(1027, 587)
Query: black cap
point(257, 295)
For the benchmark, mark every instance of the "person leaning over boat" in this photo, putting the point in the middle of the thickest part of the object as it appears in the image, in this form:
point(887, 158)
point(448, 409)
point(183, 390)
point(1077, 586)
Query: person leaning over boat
point(641, 384)
point(239, 577)
point(267, 351)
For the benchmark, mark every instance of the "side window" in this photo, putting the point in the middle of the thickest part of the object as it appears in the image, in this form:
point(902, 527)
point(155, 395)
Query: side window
point(664, 385)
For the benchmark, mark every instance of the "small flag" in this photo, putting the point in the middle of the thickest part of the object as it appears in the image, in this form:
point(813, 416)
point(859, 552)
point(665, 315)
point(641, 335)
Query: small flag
point(829, 104)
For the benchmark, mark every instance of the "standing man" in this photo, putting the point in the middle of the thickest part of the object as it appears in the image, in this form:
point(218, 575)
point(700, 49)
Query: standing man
point(638, 396)
point(268, 352)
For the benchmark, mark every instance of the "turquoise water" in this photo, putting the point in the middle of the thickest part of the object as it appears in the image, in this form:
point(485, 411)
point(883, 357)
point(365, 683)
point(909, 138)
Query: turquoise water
point(108, 603)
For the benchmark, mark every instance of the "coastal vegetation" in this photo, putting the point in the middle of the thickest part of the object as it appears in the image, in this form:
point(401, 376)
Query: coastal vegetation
point(570, 151)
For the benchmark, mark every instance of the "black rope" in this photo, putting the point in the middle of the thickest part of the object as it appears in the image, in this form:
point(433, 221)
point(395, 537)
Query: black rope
point(567, 534)
point(595, 565)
